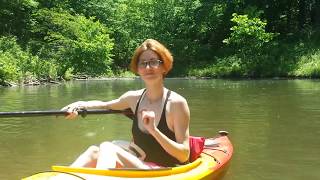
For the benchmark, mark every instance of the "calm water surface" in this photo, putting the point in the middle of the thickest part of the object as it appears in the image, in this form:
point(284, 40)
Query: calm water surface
point(273, 124)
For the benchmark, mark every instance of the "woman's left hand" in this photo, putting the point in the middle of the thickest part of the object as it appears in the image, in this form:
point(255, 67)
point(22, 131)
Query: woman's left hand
point(148, 118)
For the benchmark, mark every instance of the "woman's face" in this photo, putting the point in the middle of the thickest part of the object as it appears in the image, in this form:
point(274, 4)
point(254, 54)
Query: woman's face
point(150, 66)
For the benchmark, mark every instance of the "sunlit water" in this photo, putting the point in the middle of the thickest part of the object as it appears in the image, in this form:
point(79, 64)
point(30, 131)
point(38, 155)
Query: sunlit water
point(273, 124)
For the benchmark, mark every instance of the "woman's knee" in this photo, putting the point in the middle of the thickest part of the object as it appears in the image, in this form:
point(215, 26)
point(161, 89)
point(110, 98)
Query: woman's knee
point(110, 147)
point(93, 149)
point(107, 146)
point(89, 156)
point(91, 152)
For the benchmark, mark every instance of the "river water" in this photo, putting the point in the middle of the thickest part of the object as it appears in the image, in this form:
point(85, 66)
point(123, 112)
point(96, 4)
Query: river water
point(274, 125)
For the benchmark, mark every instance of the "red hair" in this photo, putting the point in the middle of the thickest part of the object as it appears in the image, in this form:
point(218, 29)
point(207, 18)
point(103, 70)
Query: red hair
point(157, 47)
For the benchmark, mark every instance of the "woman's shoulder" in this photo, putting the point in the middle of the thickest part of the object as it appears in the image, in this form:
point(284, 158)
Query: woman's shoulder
point(131, 97)
point(178, 106)
point(177, 98)
point(132, 94)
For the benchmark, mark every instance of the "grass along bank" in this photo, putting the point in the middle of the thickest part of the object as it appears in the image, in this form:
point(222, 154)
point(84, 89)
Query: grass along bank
point(291, 61)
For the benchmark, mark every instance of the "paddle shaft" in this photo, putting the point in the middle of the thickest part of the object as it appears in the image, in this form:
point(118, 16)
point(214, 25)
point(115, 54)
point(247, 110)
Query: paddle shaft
point(83, 113)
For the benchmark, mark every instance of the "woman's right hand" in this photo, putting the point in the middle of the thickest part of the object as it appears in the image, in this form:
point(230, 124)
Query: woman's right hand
point(148, 118)
point(72, 109)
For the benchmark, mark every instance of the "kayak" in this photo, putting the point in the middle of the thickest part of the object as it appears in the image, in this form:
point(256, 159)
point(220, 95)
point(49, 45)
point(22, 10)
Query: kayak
point(212, 164)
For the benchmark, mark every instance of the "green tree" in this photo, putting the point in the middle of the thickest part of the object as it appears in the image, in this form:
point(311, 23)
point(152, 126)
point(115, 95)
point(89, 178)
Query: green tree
point(17, 65)
point(249, 38)
point(15, 16)
point(73, 41)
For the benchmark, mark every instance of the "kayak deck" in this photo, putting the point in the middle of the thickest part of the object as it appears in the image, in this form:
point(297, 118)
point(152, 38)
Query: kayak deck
point(131, 172)
point(212, 164)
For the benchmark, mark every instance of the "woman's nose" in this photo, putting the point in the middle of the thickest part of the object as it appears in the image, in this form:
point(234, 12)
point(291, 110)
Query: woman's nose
point(148, 66)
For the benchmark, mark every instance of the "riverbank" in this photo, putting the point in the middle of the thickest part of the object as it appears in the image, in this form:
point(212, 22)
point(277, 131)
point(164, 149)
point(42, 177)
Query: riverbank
point(298, 59)
point(303, 62)
point(52, 82)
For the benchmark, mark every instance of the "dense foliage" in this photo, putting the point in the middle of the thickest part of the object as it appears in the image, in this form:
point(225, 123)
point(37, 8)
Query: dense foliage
point(19, 65)
point(72, 41)
point(48, 39)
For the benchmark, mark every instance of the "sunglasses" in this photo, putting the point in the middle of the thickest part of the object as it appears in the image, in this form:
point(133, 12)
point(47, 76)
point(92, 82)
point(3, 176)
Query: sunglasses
point(152, 64)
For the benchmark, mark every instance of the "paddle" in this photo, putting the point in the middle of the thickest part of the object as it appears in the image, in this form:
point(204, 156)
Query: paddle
point(83, 113)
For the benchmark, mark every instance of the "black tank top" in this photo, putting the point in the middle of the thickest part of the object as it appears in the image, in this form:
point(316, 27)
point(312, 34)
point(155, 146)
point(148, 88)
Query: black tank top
point(154, 151)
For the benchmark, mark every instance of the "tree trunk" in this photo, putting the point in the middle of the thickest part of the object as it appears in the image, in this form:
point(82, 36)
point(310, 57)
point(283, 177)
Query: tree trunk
point(315, 13)
point(302, 18)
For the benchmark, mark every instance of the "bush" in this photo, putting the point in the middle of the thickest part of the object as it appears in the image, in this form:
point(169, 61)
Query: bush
point(251, 42)
point(18, 65)
point(248, 34)
point(308, 66)
point(226, 67)
point(12, 60)
point(8, 68)
point(75, 42)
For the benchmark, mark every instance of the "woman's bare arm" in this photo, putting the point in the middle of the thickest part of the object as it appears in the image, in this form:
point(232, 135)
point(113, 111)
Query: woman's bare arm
point(123, 102)
point(180, 115)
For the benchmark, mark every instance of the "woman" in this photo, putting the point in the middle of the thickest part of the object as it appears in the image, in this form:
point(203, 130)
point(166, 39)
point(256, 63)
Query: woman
point(161, 124)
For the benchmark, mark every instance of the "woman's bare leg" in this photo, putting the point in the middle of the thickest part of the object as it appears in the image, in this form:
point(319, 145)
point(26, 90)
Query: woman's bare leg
point(88, 158)
point(110, 154)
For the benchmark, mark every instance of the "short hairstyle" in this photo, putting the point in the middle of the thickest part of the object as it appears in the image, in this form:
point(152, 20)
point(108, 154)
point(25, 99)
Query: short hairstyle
point(157, 47)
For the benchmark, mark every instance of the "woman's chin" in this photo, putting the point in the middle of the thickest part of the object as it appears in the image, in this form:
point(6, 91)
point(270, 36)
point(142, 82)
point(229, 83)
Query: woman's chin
point(150, 77)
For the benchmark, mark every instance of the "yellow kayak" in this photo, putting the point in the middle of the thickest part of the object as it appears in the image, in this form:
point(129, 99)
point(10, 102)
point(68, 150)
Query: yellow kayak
point(212, 164)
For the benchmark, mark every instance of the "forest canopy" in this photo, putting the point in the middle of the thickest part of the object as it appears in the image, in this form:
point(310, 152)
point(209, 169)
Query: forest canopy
point(56, 39)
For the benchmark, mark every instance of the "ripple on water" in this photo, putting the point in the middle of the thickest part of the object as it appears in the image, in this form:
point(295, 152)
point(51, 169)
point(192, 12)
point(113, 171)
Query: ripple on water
point(14, 127)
